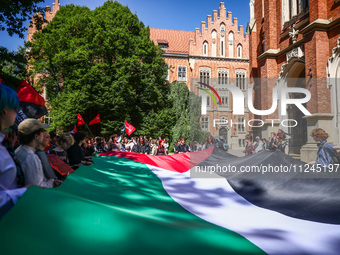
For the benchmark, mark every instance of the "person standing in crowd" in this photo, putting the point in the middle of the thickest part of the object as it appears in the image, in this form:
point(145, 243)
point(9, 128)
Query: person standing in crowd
point(161, 149)
point(47, 168)
point(249, 146)
point(88, 149)
point(133, 145)
point(153, 147)
point(53, 141)
point(166, 146)
point(198, 147)
point(258, 145)
point(65, 142)
point(265, 143)
point(282, 143)
point(176, 148)
point(326, 150)
point(183, 147)
point(113, 144)
point(209, 142)
point(141, 146)
point(75, 152)
point(273, 142)
point(10, 193)
point(31, 135)
point(100, 146)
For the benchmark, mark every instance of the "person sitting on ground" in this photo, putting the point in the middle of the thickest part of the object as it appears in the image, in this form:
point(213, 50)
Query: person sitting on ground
point(31, 135)
point(113, 144)
point(75, 152)
point(47, 168)
point(10, 192)
point(326, 150)
point(65, 142)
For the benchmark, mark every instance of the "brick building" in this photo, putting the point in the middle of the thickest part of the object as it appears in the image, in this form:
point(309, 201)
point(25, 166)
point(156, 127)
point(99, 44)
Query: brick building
point(296, 43)
point(217, 53)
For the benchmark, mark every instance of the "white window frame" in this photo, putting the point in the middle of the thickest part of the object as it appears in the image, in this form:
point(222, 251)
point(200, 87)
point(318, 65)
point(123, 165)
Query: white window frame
point(205, 119)
point(241, 79)
point(222, 40)
point(240, 126)
point(239, 51)
point(231, 44)
point(206, 75)
point(205, 48)
point(180, 73)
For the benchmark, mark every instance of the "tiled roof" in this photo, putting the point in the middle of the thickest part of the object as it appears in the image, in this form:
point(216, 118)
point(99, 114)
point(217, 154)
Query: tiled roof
point(177, 40)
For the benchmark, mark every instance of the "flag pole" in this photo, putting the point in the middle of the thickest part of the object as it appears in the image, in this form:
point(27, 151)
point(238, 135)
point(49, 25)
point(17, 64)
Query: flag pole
point(89, 130)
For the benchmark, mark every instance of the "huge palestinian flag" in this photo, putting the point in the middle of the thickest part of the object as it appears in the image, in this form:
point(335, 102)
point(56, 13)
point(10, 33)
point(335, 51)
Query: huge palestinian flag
point(137, 204)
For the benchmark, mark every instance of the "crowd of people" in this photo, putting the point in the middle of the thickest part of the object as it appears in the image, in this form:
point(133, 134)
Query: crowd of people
point(24, 157)
point(274, 142)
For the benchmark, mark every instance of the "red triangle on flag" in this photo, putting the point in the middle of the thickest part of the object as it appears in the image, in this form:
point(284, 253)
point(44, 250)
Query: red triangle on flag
point(75, 129)
point(129, 129)
point(80, 120)
point(95, 120)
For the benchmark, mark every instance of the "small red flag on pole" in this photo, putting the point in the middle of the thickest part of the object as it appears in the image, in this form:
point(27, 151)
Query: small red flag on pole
point(129, 129)
point(75, 129)
point(95, 120)
point(80, 120)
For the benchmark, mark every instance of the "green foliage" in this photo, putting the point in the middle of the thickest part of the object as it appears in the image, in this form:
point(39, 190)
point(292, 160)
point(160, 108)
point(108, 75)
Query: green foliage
point(13, 66)
point(187, 110)
point(14, 13)
point(100, 61)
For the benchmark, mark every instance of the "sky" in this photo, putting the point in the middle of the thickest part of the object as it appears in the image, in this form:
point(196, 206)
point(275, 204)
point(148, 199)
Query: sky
point(175, 14)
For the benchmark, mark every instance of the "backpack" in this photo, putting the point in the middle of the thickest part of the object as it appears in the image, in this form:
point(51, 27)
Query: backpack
point(335, 159)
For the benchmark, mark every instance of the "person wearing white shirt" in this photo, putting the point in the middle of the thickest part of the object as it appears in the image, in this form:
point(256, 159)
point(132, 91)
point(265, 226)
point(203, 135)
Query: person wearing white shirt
point(258, 144)
point(9, 191)
point(31, 134)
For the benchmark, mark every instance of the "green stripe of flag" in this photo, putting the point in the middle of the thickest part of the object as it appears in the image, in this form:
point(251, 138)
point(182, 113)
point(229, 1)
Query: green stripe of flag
point(116, 206)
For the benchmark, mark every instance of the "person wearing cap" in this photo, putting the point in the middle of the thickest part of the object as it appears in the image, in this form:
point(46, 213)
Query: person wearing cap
point(31, 134)
point(10, 193)
point(258, 144)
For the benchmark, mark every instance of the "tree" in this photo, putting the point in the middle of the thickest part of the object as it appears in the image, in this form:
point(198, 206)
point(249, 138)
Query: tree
point(13, 66)
point(14, 13)
point(187, 109)
point(100, 61)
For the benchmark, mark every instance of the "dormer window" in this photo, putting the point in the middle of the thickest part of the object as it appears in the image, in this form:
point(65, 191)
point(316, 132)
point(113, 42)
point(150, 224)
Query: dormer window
point(163, 43)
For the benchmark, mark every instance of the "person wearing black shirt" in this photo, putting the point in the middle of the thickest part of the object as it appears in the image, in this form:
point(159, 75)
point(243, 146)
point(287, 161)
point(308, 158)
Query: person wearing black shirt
point(183, 147)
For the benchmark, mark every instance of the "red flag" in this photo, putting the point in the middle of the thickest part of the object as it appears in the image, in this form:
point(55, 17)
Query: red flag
point(95, 120)
point(80, 120)
point(75, 129)
point(33, 104)
point(129, 128)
